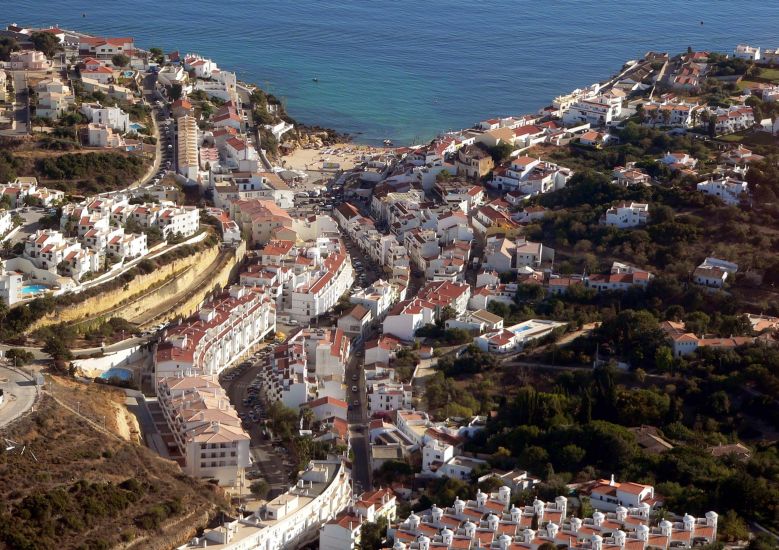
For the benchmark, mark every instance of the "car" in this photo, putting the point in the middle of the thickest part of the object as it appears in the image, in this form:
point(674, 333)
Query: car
point(170, 146)
point(354, 377)
point(253, 474)
point(356, 403)
point(354, 389)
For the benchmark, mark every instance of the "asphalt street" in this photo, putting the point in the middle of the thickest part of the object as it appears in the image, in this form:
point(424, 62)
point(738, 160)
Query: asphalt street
point(19, 392)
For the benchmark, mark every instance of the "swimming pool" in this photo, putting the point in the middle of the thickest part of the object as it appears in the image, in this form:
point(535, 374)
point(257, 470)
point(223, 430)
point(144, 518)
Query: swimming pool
point(122, 374)
point(34, 289)
point(136, 126)
point(128, 74)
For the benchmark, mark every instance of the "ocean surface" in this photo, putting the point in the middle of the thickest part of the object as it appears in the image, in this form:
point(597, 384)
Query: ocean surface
point(407, 70)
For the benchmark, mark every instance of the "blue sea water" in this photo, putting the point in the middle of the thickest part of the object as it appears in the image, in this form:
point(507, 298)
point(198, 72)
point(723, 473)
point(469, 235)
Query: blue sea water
point(404, 69)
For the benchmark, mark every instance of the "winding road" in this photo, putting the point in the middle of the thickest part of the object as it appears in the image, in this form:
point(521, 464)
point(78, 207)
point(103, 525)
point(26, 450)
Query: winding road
point(19, 394)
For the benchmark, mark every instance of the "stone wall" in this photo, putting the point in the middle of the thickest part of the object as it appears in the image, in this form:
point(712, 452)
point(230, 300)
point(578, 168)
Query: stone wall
point(180, 272)
point(227, 271)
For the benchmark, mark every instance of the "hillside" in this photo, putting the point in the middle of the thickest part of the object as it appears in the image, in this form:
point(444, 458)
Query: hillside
point(91, 488)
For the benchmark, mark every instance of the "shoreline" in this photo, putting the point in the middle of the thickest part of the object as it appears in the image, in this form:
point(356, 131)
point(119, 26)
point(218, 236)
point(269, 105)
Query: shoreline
point(346, 154)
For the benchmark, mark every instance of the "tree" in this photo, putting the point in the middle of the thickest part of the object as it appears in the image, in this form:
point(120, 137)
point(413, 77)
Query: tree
point(19, 357)
point(120, 60)
point(372, 534)
point(733, 528)
point(712, 126)
point(500, 152)
point(175, 92)
point(157, 55)
point(46, 42)
point(259, 488)
point(57, 349)
point(7, 45)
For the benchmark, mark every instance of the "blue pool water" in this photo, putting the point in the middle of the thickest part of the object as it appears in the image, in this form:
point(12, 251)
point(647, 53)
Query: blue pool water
point(405, 69)
point(135, 126)
point(34, 289)
point(128, 74)
point(122, 374)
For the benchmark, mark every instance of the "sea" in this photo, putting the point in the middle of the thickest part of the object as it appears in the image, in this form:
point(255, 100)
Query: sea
point(407, 70)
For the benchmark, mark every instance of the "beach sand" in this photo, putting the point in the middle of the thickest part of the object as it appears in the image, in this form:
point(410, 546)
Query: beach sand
point(347, 155)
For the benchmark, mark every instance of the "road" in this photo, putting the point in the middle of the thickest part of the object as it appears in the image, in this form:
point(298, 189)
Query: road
point(273, 466)
point(83, 352)
point(19, 396)
point(21, 104)
point(358, 421)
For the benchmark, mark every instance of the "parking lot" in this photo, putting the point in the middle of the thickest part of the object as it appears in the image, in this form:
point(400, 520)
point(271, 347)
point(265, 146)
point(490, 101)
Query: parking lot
point(31, 216)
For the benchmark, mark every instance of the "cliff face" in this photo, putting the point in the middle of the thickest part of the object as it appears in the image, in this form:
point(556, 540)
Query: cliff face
point(142, 299)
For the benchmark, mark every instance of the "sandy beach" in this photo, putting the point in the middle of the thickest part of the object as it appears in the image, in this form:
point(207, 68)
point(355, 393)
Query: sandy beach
point(347, 155)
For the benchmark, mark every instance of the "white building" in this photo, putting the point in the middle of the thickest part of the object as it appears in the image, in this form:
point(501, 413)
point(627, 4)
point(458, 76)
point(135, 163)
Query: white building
point(323, 490)
point(128, 246)
point(714, 272)
point(601, 110)
point(221, 332)
point(343, 531)
point(187, 147)
point(205, 427)
point(669, 113)
point(10, 286)
point(50, 250)
point(110, 116)
point(529, 176)
point(491, 521)
point(378, 297)
point(733, 119)
point(625, 215)
point(6, 222)
point(745, 51)
point(385, 396)
point(515, 337)
point(54, 98)
point(308, 367)
point(356, 321)
point(331, 277)
point(730, 190)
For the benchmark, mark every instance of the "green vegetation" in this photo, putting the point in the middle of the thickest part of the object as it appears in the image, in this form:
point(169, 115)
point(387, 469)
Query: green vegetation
point(7, 45)
point(259, 488)
point(19, 357)
point(87, 489)
point(120, 60)
point(39, 519)
point(157, 55)
point(372, 534)
point(91, 172)
point(47, 43)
